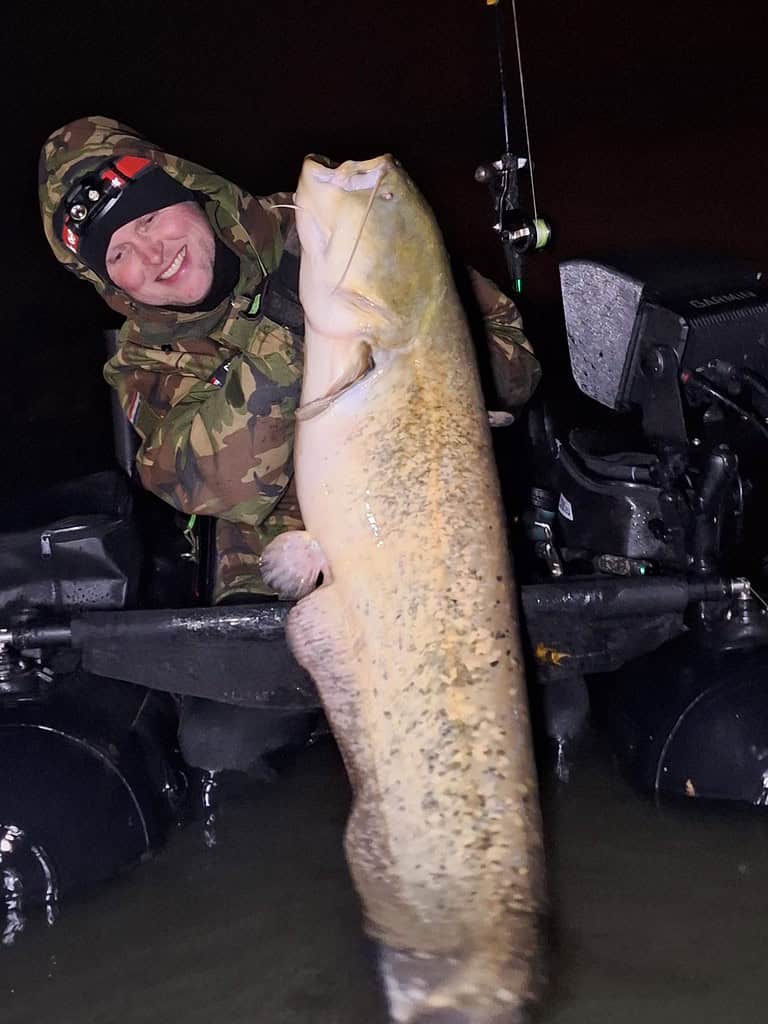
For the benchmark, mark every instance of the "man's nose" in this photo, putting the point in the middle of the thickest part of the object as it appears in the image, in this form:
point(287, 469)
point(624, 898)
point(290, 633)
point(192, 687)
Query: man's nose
point(150, 250)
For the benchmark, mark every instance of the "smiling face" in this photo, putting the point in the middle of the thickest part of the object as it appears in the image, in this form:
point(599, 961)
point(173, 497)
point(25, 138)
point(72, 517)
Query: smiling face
point(164, 258)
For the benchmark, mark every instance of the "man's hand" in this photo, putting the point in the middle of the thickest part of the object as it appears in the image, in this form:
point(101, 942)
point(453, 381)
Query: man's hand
point(500, 419)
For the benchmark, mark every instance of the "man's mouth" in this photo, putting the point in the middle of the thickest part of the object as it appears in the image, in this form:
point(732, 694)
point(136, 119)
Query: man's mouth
point(174, 266)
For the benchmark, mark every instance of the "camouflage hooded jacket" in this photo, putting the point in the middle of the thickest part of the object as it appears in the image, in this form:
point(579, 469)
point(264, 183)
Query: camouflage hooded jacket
point(214, 443)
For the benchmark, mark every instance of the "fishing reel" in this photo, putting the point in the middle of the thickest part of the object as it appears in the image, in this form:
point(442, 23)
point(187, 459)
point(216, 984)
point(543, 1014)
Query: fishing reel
point(518, 232)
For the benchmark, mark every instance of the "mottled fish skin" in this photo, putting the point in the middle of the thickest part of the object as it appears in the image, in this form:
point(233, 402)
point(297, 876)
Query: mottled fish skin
point(413, 638)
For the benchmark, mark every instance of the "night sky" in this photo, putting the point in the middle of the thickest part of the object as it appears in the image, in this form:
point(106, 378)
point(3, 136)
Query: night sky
point(646, 126)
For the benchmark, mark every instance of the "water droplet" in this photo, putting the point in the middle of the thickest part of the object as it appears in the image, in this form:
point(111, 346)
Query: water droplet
point(209, 798)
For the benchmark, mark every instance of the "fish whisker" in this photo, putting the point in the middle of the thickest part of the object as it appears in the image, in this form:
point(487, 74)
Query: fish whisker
point(374, 192)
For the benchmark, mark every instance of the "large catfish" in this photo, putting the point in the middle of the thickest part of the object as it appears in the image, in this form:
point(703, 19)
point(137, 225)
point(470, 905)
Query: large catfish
point(412, 636)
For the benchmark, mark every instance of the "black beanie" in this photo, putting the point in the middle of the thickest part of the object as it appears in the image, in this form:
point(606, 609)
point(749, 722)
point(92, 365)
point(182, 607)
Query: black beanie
point(152, 190)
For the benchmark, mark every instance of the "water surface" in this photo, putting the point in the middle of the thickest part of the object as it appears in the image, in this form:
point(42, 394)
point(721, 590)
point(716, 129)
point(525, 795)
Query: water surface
point(659, 917)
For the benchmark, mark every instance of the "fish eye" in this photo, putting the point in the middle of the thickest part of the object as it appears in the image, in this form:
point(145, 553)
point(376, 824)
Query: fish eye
point(387, 195)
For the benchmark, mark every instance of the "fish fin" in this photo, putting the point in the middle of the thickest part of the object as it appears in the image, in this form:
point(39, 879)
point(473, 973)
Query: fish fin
point(324, 642)
point(318, 637)
point(291, 564)
point(360, 366)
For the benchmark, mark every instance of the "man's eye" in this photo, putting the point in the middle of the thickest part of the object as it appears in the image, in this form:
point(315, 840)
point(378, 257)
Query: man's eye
point(114, 257)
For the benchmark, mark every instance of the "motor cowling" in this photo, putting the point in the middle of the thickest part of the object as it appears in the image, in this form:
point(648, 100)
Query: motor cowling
point(89, 782)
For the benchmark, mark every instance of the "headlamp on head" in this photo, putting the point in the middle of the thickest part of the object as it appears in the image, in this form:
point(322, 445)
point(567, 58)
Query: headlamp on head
point(118, 192)
point(94, 196)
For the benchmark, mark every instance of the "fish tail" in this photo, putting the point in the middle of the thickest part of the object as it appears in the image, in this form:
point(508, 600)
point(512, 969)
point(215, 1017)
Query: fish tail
point(478, 989)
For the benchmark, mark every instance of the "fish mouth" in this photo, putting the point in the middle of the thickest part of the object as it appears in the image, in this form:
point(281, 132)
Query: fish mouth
point(352, 175)
point(324, 161)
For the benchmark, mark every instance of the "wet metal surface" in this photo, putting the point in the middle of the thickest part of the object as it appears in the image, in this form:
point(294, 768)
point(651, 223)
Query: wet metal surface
point(660, 917)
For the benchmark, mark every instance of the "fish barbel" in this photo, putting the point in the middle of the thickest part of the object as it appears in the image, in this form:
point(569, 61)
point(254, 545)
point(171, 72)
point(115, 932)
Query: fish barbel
point(412, 637)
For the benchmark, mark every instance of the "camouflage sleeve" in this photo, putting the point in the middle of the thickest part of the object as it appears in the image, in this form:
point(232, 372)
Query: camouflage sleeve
point(239, 548)
point(516, 371)
point(219, 451)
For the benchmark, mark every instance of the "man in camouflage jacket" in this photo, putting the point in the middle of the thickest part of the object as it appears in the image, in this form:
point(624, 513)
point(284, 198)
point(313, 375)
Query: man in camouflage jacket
point(212, 389)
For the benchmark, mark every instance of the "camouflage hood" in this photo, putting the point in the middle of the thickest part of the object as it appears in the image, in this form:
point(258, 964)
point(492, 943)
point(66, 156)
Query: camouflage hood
point(245, 224)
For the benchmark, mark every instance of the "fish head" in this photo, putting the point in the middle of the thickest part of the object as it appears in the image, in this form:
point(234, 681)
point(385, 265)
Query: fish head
point(373, 261)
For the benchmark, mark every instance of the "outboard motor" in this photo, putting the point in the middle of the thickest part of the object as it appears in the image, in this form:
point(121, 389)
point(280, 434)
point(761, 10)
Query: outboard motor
point(663, 493)
point(678, 349)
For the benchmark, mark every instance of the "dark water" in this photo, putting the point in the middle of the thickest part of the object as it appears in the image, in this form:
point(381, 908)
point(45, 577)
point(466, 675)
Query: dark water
point(659, 917)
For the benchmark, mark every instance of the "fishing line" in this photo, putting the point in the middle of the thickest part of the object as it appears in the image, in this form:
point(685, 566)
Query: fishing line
point(525, 107)
point(504, 98)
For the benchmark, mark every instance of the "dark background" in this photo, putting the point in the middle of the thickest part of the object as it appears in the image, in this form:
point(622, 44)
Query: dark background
point(646, 127)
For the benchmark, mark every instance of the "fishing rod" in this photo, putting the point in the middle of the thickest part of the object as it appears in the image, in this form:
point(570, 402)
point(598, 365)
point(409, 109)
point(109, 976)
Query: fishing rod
point(519, 232)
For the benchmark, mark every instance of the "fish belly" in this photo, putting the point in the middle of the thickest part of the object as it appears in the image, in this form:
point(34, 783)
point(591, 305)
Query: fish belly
point(413, 642)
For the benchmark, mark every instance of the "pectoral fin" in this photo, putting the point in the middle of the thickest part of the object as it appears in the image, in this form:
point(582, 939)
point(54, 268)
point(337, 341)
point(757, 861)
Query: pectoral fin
point(360, 365)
